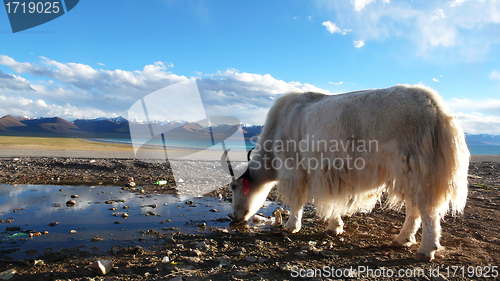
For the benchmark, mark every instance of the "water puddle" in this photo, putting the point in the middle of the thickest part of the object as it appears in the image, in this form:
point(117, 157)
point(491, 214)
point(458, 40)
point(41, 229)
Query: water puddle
point(98, 212)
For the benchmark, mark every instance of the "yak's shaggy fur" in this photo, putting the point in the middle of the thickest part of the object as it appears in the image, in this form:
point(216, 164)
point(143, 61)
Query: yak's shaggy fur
point(418, 157)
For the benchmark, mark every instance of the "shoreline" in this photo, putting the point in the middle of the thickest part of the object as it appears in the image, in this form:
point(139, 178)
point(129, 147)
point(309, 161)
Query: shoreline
point(104, 154)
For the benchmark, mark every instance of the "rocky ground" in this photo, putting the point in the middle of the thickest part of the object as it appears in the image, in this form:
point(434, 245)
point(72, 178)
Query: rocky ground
point(471, 242)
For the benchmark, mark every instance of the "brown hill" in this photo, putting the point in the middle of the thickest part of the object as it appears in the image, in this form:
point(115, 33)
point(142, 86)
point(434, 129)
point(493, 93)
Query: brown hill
point(9, 121)
point(54, 124)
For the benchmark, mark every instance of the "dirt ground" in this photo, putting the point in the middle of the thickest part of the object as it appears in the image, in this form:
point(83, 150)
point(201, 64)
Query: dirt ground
point(471, 240)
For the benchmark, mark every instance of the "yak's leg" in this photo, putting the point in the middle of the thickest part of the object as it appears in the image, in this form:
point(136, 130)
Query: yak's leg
point(294, 223)
point(431, 232)
point(335, 225)
point(406, 236)
point(296, 203)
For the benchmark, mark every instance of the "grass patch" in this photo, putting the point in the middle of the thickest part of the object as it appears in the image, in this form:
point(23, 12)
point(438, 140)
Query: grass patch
point(46, 143)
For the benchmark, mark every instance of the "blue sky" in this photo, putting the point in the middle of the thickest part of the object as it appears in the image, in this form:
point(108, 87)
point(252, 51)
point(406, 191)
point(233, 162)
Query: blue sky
point(102, 56)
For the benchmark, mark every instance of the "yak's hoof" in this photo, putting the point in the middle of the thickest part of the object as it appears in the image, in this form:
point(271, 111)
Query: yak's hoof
point(291, 227)
point(396, 244)
point(423, 257)
point(334, 232)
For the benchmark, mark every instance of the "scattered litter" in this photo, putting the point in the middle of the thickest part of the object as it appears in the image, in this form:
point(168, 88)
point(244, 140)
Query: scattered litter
point(131, 182)
point(39, 263)
point(6, 275)
point(261, 219)
point(162, 182)
point(165, 260)
point(18, 234)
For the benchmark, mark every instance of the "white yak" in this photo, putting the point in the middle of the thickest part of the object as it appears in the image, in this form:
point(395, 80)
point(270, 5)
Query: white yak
point(342, 152)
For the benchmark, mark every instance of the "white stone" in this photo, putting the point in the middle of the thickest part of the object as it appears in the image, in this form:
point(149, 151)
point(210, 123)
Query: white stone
point(102, 266)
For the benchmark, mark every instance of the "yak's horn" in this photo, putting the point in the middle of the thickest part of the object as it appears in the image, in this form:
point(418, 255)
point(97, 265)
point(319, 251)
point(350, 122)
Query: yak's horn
point(250, 153)
point(226, 164)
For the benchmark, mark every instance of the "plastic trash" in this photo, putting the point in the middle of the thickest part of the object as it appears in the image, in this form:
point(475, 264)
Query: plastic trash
point(165, 260)
point(18, 234)
point(131, 182)
point(258, 219)
point(6, 275)
point(162, 182)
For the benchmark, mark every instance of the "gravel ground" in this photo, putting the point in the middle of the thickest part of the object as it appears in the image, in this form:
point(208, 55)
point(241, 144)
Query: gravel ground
point(241, 252)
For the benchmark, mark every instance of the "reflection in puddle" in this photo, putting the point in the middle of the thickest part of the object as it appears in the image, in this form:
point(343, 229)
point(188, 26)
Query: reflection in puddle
point(99, 211)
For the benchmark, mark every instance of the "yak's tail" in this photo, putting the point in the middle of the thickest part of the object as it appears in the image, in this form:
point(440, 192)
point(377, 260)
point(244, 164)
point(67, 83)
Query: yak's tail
point(451, 157)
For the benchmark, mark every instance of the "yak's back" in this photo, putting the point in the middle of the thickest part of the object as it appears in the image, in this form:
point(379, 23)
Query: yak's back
point(421, 150)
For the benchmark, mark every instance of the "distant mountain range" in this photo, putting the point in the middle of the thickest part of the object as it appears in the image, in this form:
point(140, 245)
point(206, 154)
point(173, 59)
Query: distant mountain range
point(482, 139)
point(114, 128)
point(119, 128)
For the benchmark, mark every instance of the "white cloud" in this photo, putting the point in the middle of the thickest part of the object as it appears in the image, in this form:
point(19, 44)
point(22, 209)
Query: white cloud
point(495, 75)
point(463, 28)
point(21, 67)
point(333, 28)
point(101, 64)
point(477, 117)
point(476, 123)
point(77, 90)
point(85, 77)
point(358, 43)
point(40, 103)
point(457, 3)
point(490, 106)
point(435, 80)
point(28, 107)
point(14, 82)
point(360, 4)
point(439, 14)
point(246, 96)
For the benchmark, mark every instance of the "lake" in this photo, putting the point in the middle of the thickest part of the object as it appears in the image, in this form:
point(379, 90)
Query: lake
point(474, 149)
point(34, 207)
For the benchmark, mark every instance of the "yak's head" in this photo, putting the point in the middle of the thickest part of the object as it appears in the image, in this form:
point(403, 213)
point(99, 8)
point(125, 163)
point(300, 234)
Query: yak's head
point(249, 192)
